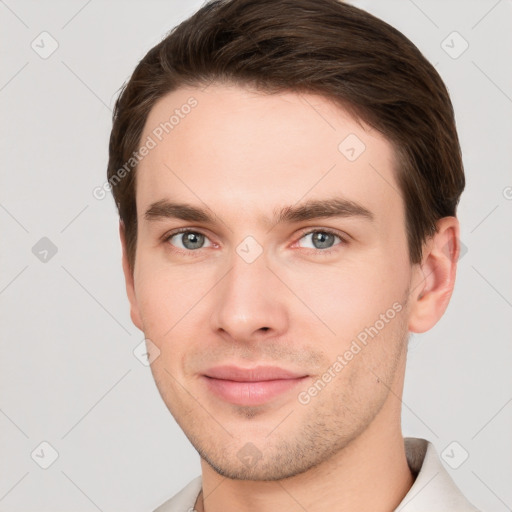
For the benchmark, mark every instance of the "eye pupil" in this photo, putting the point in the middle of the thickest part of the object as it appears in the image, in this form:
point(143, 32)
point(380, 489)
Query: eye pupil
point(322, 240)
point(193, 240)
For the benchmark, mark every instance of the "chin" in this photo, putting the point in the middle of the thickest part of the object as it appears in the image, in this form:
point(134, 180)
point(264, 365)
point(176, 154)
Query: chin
point(274, 462)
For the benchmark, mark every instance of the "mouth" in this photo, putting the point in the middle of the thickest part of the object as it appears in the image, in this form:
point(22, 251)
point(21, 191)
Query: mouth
point(251, 386)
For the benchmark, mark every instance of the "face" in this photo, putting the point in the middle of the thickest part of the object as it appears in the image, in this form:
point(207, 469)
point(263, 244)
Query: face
point(271, 274)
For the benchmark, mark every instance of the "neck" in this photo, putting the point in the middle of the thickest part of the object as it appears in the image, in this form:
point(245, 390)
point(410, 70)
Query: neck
point(370, 473)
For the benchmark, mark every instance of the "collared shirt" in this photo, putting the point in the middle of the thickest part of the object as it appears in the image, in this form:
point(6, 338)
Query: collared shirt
point(433, 489)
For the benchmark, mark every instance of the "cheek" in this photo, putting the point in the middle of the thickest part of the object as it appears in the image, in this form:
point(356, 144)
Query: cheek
point(351, 295)
point(153, 296)
point(163, 295)
point(173, 305)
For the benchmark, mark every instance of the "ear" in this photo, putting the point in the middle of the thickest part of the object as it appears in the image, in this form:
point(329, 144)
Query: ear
point(434, 279)
point(129, 280)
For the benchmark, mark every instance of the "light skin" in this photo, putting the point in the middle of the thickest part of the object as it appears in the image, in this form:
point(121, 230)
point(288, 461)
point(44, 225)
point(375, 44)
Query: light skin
point(243, 157)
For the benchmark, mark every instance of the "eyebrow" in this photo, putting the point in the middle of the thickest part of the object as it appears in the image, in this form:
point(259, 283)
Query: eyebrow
point(312, 209)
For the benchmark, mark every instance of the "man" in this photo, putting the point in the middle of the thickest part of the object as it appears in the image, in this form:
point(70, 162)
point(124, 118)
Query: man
point(287, 174)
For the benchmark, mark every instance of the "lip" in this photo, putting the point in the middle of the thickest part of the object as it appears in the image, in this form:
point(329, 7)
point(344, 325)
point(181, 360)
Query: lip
point(251, 386)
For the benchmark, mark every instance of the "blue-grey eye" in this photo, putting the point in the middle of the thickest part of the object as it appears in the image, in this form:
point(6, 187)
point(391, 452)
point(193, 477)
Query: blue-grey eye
point(320, 240)
point(190, 240)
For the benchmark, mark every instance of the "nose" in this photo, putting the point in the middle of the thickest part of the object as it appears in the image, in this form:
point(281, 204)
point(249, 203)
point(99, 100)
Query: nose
point(249, 303)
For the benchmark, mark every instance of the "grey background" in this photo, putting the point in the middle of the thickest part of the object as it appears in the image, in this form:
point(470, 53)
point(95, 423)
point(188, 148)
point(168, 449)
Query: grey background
point(68, 375)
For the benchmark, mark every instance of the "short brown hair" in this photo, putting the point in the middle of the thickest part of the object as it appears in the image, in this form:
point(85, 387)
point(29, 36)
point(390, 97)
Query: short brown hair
point(323, 47)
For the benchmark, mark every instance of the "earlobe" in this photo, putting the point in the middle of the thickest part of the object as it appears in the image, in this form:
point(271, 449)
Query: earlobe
point(434, 279)
point(129, 280)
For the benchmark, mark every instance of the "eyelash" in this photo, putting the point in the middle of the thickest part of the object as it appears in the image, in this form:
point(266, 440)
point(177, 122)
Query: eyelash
point(343, 240)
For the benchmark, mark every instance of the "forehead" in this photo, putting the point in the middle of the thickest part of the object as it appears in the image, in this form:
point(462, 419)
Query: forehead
point(244, 150)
